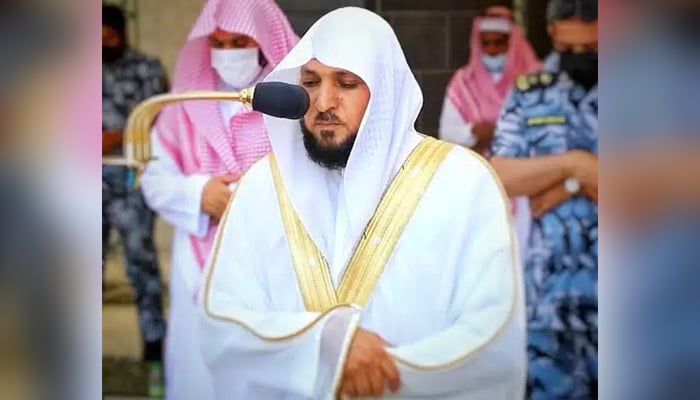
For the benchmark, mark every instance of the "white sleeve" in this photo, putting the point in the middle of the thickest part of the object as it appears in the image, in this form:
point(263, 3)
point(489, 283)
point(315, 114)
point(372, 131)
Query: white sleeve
point(482, 355)
point(243, 340)
point(175, 197)
point(453, 127)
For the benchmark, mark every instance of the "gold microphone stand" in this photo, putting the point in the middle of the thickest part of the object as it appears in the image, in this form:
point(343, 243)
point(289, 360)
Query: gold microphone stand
point(137, 134)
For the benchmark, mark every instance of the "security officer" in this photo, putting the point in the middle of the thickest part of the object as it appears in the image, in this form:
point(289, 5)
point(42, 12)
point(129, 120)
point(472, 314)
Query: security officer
point(129, 77)
point(545, 147)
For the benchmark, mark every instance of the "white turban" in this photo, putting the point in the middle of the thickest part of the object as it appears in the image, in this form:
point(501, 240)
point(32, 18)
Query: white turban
point(495, 24)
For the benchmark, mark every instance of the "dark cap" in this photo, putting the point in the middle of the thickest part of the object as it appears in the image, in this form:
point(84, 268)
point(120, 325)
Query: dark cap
point(586, 10)
point(113, 16)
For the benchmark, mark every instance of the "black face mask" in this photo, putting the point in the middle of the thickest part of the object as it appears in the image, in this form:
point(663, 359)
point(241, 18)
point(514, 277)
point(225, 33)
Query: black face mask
point(111, 54)
point(582, 68)
point(333, 158)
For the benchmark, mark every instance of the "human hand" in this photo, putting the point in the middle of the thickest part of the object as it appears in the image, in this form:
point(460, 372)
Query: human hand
point(217, 194)
point(548, 199)
point(483, 130)
point(110, 140)
point(368, 367)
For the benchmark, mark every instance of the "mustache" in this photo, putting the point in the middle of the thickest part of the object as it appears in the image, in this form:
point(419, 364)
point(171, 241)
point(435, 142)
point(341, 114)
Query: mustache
point(327, 117)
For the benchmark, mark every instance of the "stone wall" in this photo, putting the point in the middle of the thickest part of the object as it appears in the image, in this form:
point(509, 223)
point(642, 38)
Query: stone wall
point(161, 27)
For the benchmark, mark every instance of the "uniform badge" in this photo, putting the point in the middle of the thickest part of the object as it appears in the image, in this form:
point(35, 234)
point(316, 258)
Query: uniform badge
point(522, 83)
point(546, 78)
point(546, 120)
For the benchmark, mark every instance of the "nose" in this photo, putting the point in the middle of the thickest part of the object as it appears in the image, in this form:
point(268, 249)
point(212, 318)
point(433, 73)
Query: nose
point(326, 98)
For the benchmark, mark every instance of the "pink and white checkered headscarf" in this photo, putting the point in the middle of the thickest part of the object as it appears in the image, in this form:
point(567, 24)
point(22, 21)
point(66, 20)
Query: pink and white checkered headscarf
point(472, 90)
point(194, 133)
point(479, 99)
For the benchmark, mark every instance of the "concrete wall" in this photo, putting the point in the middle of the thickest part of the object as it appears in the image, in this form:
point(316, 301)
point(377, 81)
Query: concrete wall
point(434, 34)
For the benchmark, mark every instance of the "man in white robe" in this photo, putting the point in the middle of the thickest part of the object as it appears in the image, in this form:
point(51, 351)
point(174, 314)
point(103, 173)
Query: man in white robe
point(361, 258)
point(200, 150)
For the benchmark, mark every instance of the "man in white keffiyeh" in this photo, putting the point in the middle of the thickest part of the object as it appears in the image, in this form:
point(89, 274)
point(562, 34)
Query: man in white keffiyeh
point(362, 258)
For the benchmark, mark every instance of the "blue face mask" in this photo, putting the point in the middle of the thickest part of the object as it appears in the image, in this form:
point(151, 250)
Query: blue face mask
point(494, 63)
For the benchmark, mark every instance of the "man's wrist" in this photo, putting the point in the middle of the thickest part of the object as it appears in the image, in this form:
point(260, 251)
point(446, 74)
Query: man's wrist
point(568, 165)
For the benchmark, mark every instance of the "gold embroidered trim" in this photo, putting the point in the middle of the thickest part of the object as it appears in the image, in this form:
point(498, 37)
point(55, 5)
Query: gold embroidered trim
point(386, 226)
point(226, 318)
point(420, 367)
point(377, 244)
point(312, 271)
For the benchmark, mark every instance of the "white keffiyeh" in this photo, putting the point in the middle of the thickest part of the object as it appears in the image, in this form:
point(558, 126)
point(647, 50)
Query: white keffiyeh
point(386, 135)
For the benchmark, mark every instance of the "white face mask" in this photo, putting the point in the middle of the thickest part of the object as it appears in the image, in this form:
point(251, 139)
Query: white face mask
point(236, 67)
point(494, 63)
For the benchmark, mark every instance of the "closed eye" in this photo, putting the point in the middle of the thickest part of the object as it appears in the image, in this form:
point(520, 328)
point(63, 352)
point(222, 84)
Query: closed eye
point(309, 83)
point(348, 85)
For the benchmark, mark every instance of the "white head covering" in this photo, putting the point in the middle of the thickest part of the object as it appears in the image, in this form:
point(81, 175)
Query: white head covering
point(495, 24)
point(362, 42)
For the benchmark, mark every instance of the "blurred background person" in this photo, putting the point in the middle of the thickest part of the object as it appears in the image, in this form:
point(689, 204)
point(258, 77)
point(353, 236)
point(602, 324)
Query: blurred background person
point(129, 77)
point(498, 53)
point(545, 147)
point(49, 205)
point(201, 150)
point(651, 206)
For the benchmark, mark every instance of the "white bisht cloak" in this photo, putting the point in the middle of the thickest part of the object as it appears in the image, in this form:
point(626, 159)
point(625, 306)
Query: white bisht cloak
point(450, 300)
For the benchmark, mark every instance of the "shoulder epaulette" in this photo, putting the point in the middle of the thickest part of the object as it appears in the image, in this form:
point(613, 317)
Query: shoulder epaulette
point(535, 80)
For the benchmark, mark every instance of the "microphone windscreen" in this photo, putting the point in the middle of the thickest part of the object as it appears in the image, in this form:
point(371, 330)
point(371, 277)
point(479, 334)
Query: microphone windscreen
point(280, 99)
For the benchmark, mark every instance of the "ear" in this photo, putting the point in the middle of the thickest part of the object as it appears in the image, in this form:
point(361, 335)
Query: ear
point(550, 30)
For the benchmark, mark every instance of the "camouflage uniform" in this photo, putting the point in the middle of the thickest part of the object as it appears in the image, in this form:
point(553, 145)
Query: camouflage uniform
point(125, 83)
point(547, 113)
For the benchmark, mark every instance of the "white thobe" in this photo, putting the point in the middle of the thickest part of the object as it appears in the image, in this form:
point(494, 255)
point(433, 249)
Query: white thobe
point(449, 301)
point(177, 199)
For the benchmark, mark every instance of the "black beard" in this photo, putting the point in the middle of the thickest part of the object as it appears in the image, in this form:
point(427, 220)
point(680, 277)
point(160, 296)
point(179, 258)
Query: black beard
point(334, 157)
point(112, 54)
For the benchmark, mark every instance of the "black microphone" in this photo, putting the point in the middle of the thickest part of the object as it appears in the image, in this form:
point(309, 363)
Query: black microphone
point(279, 99)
